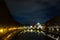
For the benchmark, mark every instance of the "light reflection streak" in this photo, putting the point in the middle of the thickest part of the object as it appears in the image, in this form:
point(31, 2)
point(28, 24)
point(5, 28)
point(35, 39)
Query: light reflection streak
point(12, 29)
point(9, 36)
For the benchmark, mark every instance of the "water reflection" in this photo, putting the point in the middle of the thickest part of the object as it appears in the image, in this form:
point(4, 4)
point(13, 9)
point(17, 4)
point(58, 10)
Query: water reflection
point(31, 36)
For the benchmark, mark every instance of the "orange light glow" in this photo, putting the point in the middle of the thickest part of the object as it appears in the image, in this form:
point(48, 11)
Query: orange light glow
point(12, 29)
point(1, 30)
point(9, 35)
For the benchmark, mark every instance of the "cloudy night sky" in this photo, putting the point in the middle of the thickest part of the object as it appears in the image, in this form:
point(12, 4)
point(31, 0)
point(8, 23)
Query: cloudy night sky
point(32, 11)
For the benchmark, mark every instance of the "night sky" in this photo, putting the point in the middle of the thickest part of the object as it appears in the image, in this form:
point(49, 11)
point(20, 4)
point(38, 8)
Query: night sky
point(32, 11)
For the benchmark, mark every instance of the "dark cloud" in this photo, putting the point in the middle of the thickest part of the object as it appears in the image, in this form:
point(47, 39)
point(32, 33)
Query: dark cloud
point(31, 11)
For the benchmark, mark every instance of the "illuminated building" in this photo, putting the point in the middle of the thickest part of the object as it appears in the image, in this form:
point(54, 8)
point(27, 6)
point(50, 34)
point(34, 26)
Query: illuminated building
point(53, 27)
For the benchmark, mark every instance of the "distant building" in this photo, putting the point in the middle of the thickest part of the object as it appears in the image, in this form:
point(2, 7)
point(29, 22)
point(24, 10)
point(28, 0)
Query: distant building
point(39, 26)
point(53, 27)
point(53, 24)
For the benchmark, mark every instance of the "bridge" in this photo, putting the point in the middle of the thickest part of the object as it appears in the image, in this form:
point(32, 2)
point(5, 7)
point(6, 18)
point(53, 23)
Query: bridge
point(9, 32)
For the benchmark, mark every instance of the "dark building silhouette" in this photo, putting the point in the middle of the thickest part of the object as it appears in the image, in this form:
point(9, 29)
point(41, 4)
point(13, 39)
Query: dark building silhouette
point(54, 21)
point(5, 17)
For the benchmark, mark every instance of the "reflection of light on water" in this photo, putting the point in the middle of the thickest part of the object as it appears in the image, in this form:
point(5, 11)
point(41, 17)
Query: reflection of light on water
point(35, 31)
point(57, 38)
point(43, 33)
point(9, 35)
point(53, 36)
point(6, 38)
point(27, 30)
point(57, 29)
point(31, 30)
point(38, 31)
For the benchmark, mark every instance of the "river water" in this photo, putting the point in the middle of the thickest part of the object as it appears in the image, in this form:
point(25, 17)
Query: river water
point(30, 36)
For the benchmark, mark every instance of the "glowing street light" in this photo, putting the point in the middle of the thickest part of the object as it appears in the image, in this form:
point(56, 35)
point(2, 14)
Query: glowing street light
point(31, 26)
point(1, 30)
